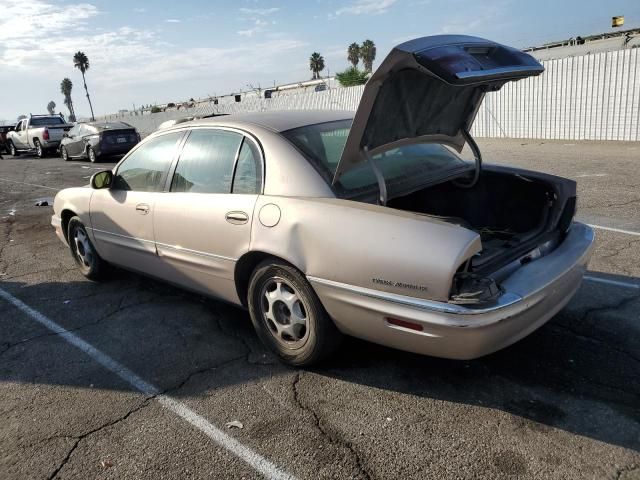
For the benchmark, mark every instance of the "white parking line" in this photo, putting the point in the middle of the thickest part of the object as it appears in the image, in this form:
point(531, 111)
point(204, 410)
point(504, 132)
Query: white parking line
point(29, 184)
point(611, 229)
point(617, 283)
point(253, 459)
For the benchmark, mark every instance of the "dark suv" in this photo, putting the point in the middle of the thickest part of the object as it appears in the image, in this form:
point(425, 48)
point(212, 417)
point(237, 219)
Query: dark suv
point(98, 139)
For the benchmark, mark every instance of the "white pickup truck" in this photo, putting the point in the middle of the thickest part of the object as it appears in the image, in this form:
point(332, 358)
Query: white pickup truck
point(37, 133)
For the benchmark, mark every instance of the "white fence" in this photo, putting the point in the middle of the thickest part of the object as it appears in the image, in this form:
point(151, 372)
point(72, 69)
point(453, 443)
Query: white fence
point(589, 97)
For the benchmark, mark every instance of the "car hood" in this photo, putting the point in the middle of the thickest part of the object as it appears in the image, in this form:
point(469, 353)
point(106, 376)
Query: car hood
point(429, 90)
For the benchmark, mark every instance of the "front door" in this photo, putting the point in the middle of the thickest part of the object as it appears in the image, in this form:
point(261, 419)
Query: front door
point(203, 224)
point(20, 137)
point(122, 216)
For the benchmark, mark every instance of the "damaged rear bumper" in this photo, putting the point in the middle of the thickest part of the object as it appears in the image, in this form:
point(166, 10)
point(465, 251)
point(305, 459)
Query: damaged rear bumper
point(532, 295)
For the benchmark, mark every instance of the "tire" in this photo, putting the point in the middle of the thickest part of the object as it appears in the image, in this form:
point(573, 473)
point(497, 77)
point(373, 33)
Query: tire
point(39, 149)
point(13, 150)
point(288, 316)
point(64, 154)
point(91, 155)
point(83, 251)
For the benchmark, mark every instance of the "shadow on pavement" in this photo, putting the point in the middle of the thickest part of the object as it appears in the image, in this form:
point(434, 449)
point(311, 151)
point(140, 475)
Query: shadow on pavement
point(578, 373)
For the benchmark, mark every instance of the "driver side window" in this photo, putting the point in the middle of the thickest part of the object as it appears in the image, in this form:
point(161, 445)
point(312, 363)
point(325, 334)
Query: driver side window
point(146, 168)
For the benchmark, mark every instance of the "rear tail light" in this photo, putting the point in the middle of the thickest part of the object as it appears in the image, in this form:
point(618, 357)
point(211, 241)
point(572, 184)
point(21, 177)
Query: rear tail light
point(45, 134)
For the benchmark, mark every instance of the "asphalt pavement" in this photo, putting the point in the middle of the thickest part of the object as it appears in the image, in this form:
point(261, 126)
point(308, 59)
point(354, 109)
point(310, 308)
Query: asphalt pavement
point(142, 379)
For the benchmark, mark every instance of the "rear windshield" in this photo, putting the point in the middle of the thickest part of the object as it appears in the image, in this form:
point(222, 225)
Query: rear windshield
point(404, 168)
point(42, 121)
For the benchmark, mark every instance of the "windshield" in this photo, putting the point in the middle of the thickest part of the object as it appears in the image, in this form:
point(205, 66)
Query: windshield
point(43, 121)
point(404, 168)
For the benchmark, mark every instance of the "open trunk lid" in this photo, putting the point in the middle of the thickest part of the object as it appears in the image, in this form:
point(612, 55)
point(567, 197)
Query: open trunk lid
point(428, 90)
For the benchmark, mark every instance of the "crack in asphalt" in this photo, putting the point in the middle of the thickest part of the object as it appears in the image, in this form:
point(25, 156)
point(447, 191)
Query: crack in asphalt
point(331, 436)
point(146, 402)
point(118, 309)
point(81, 437)
point(595, 310)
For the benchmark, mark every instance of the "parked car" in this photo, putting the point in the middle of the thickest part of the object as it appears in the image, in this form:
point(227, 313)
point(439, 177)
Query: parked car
point(93, 140)
point(4, 131)
point(328, 223)
point(37, 133)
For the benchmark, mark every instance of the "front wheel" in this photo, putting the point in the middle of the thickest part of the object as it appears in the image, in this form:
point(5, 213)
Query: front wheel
point(13, 150)
point(64, 154)
point(288, 316)
point(91, 153)
point(83, 251)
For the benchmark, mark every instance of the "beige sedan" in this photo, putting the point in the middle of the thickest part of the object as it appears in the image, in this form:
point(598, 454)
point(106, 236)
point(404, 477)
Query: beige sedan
point(323, 224)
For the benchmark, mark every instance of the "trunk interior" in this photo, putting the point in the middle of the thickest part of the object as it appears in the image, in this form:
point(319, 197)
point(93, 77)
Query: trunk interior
point(513, 212)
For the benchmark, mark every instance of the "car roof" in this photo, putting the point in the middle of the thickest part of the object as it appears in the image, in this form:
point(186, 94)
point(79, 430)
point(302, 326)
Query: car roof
point(107, 125)
point(275, 120)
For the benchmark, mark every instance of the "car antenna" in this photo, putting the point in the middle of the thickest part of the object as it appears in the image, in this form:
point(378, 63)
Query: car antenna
point(382, 186)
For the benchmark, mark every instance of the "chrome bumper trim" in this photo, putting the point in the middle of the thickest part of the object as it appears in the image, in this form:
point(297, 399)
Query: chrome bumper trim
point(504, 301)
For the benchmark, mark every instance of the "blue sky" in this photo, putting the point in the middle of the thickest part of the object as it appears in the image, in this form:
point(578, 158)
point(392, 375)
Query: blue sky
point(161, 51)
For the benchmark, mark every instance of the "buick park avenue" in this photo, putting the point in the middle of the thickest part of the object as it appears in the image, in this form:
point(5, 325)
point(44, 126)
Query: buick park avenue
point(332, 223)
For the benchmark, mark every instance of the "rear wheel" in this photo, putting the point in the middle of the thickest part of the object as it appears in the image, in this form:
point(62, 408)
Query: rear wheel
point(39, 150)
point(91, 154)
point(288, 315)
point(13, 150)
point(83, 251)
point(64, 154)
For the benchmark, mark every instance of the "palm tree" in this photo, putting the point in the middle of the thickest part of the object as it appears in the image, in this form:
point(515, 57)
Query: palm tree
point(368, 54)
point(353, 54)
point(51, 107)
point(316, 64)
point(81, 62)
point(65, 89)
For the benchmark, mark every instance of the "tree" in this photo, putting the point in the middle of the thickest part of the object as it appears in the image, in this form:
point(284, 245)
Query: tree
point(352, 77)
point(51, 107)
point(353, 54)
point(65, 88)
point(81, 62)
point(316, 64)
point(368, 54)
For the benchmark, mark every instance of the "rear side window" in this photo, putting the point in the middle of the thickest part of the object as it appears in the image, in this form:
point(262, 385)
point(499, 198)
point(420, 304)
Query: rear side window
point(248, 176)
point(206, 162)
point(146, 168)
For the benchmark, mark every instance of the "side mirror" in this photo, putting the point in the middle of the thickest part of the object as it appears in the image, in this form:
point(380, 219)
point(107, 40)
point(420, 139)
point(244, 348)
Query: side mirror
point(102, 179)
point(65, 135)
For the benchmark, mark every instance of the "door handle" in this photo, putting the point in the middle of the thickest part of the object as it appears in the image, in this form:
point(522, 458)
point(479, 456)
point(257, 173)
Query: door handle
point(143, 208)
point(237, 218)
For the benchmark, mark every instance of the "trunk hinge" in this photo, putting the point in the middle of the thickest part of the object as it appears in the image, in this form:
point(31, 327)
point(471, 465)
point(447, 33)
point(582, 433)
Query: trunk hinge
point(478, 158)
point(382, 186)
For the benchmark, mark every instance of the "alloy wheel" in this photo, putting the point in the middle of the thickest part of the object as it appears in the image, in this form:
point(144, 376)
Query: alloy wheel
point(83, 249)
point(284, 313)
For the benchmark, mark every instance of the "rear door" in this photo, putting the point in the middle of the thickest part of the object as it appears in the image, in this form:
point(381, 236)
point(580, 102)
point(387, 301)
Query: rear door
point(122, 216)
point(73, 142)
point(203, 224)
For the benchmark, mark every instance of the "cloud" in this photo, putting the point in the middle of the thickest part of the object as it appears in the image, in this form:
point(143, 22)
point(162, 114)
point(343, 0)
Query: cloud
point(258, 26)
point(173, 20)
point(366, 7)
point(31, 19)
point(140, 10)
point(259, 11)
point(39, 37)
